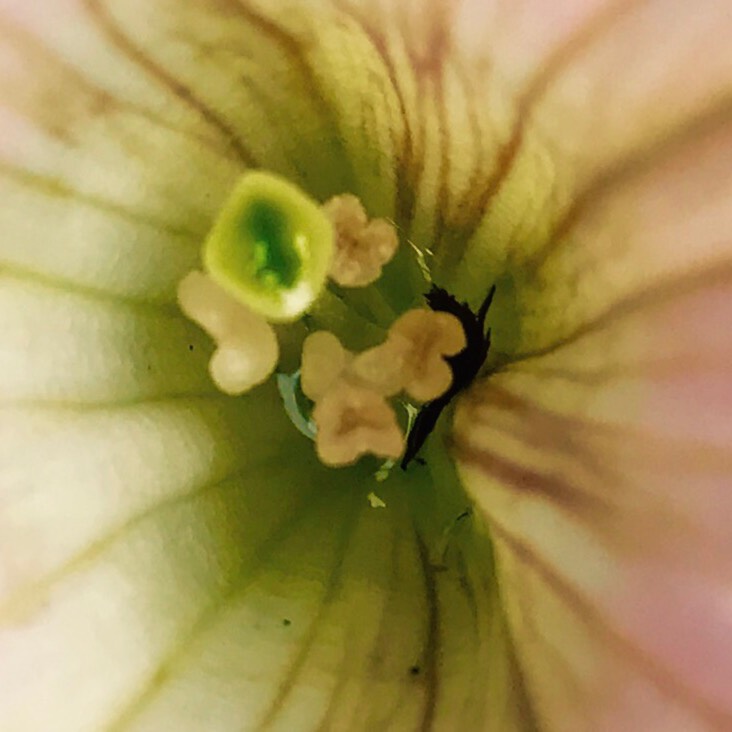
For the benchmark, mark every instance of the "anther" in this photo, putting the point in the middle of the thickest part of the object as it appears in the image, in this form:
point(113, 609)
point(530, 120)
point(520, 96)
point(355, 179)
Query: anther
point(247, 350)
point(353, 421)
point(362, 247)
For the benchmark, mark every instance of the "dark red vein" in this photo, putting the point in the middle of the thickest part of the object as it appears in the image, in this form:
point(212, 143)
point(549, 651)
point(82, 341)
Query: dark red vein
point(588, 613)
point(108, 25)
point(431, 652)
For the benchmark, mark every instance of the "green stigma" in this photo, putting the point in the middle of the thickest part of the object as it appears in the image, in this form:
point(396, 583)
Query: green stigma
point(271, 247)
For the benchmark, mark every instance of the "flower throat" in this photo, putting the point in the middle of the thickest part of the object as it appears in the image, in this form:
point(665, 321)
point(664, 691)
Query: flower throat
point(268, 259)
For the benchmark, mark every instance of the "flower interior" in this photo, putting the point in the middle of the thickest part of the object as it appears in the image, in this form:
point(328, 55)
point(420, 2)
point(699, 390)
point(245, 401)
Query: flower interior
point(260, 254)
point(275, 454)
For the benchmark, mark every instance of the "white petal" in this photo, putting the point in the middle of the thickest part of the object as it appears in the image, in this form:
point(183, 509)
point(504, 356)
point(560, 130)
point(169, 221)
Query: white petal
point(155, 538)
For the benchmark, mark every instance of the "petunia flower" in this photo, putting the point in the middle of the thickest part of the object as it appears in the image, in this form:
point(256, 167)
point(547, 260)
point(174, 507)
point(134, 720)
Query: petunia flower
point(174, 558)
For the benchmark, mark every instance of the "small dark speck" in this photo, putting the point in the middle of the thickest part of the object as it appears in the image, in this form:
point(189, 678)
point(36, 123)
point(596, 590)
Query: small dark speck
point(467, 513)
point(190, 346)
point(414, 670)
point(286, 622)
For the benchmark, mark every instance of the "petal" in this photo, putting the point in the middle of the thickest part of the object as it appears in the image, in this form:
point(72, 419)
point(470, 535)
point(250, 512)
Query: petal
point(163, 86)
point(600, 452)
point(604, 469)
point(172, 558)
point(615, 138)
point(207, 570)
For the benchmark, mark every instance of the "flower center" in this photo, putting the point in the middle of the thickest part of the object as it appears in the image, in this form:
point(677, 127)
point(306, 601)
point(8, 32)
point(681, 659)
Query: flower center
point(273, 255)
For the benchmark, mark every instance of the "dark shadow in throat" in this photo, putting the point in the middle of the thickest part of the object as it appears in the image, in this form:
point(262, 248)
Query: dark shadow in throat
point(465, 365)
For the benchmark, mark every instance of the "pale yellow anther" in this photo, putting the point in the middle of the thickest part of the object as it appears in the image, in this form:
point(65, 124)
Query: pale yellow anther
point(352, 421)
point(239, 365)
point(411, 358)
point(362, 247)
point(247, 350)
point(324, 360)
point(380, 368)
point(217, 312)
point(424, 337)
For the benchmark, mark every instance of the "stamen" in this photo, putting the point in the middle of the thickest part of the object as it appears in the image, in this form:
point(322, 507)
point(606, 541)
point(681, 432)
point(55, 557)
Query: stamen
point(353, 421)
point(247, 345)
point(351, 413)
point(323, 361)
point(217, 312)
point(412, 357)
point(266, 259)
point(465, 365)
point(362, 247)
point(382, 368)
point(239, 365)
